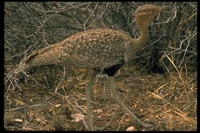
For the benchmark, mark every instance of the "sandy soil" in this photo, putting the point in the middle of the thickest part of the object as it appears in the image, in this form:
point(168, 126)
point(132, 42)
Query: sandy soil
point(168, 101)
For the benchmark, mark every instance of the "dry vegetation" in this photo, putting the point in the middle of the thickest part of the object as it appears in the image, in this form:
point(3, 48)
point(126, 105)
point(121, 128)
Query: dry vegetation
point(159, 85)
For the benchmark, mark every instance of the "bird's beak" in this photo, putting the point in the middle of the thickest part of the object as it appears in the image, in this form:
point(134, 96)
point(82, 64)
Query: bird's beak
point(164, 8)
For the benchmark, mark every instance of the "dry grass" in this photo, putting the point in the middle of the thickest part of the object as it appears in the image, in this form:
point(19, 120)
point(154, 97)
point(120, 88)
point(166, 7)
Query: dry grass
point(168, 101)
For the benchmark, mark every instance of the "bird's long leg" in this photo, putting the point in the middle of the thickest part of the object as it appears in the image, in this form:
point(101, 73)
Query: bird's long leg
point(114, 97)
point(88, 95)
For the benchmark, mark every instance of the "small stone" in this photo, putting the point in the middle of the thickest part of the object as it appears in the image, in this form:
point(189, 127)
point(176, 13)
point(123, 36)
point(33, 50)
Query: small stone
point(57, 105)
point(131, 128)
point(18, 120)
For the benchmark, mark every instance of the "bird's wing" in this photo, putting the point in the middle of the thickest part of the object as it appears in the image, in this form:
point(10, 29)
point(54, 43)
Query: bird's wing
point(99, 48)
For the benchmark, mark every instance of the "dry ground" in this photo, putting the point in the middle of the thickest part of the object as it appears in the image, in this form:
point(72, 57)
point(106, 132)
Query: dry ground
point(169, 101)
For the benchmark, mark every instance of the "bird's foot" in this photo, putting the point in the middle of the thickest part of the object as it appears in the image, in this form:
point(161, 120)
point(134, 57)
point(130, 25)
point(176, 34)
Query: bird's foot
point(148, 127)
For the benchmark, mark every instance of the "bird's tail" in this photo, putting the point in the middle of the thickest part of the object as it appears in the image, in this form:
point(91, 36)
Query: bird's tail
point(21, 68)
point(46, 56)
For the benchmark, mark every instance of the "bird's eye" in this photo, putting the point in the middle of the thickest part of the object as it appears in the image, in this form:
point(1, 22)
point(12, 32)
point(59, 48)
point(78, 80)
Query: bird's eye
point(147, 11)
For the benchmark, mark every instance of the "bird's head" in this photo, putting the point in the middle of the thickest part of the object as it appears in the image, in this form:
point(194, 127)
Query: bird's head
point(147, 12)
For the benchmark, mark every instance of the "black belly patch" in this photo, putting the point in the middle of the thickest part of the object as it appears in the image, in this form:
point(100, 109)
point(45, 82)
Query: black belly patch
point(113, 69)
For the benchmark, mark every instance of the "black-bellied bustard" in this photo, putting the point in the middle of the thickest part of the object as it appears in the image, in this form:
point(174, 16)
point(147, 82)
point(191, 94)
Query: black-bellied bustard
point(103, 50)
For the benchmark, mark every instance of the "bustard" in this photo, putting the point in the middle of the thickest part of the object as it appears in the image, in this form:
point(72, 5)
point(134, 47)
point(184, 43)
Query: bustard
point(103, 50)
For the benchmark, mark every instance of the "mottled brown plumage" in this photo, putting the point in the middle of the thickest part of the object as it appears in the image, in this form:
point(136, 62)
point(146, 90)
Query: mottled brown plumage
point(96, 48)
point(100, 49)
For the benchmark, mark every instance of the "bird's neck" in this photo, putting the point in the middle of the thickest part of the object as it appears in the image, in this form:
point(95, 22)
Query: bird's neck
point(142, 39)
